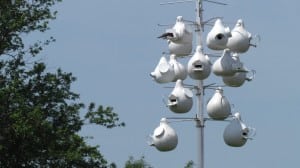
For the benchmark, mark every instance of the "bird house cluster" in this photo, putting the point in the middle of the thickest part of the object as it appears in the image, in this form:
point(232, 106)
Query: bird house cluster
point(228, 66)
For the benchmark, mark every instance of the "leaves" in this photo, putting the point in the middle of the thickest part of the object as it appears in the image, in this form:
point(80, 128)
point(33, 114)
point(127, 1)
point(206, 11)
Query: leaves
point(103, 116)
point(23, 17)
point(39, 113)
point(190, 164)
point(140, 163)
point(40, 118)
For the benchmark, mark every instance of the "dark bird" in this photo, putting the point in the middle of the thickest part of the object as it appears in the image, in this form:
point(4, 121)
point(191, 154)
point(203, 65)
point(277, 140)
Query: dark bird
point(166, 35)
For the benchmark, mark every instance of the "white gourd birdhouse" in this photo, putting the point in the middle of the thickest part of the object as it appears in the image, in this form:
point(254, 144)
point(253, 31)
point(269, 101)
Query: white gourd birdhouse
point(164, 137)
point(236, 133)
point(218, 107)
point(163, 72)
point(218, 36)
point(179, 70)
point(226, 65)
point(179, 37)
point(239, 78)
point(199, 66)
point(240, 38)
point(180, 49)
point(180, 100)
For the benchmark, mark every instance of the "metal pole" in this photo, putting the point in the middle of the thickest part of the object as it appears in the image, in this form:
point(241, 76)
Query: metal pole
point(200, 124)
point(200, 89)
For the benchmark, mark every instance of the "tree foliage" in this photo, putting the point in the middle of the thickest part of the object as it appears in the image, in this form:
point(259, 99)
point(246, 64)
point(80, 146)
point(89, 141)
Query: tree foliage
point(140, 163)
point(39, 113)
point(189, 164)
point(20, 17)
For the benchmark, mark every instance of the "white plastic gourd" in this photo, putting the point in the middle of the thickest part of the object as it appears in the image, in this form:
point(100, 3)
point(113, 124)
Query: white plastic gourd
point(226, 65)
point(239, 78)
point(180, 71)
point(183, 32)
point(240, 38)
point(199, 66)
point(180, 38)
point(164, 137)
point(218, 107)
point(180, 49)
point(237, 133)
point(218, 36)
point(163, 72)
point(180, 100)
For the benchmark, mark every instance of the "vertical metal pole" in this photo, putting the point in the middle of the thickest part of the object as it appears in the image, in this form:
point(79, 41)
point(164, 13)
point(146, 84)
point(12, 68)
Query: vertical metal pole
point(199, 21)
point(200, 124)
point(200, 88)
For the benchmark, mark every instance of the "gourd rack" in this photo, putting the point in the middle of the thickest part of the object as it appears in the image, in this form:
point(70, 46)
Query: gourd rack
point(228, 66)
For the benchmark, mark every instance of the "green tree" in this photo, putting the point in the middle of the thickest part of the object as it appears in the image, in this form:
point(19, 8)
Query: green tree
point(140, 163)
point(189, 164)
point(39, 114)
point(21, 17)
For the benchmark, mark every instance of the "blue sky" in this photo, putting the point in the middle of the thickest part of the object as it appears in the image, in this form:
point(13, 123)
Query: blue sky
point(111, 47)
